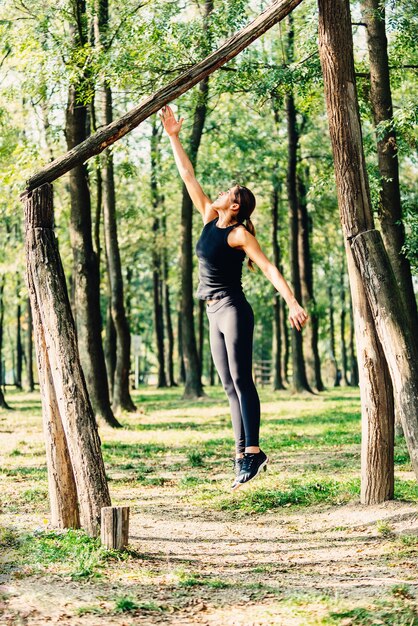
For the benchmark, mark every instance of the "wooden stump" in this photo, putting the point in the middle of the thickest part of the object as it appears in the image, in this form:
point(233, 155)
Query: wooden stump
point(115, 527)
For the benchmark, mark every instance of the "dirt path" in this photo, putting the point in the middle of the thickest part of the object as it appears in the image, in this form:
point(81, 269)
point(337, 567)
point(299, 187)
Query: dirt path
point(191, 564)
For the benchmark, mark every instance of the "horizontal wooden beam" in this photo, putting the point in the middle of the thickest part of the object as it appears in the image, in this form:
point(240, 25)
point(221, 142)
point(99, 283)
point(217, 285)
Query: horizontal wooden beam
point(107, 135)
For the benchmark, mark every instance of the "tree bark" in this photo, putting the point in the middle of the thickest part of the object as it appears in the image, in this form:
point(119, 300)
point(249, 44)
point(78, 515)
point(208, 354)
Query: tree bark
point(110, 344)
point(3, 403)
point(354, 373)
point(311, 332)
point(30, 385)
point(48, 291)
point(377, 408)
point(299, 380)
point(285, 333)
point(19, 347)
point(370, 256)
point(121, 398)
point(277, 333)
point(344, 361)
point(167, 309)
point(182, 369)
point(390, 208)
point(193, 384)
point(62, 487)
point(157, 269)
point(332, 333)
point(119, 128)
point(201, 335)
point(86, 277)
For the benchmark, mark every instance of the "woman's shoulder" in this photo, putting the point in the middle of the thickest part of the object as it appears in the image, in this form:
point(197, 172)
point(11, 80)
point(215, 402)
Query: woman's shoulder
point(238, 236)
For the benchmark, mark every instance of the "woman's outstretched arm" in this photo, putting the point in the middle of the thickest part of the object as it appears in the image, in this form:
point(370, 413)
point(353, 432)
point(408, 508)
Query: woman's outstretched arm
point(241, 238)
point(184, 165)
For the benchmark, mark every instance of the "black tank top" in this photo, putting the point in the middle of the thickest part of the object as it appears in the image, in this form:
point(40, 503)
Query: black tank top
point(220, 265)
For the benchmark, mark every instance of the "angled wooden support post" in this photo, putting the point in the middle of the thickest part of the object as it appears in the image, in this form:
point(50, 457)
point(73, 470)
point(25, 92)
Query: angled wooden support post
point(107, 135)
point(75, 464)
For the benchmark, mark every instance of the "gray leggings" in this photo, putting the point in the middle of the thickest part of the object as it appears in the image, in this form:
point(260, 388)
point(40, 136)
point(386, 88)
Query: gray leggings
point(231, 327)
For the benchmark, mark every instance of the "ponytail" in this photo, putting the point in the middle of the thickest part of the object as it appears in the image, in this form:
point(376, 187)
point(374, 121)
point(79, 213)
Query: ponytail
point(250, 227)
point(246, 201)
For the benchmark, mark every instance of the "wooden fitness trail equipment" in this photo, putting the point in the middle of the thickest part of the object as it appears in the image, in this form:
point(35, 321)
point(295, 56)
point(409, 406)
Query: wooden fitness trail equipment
point(78, 489)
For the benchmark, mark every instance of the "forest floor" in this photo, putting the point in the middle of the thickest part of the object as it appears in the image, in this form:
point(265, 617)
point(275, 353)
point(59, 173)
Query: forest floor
point(296, 547)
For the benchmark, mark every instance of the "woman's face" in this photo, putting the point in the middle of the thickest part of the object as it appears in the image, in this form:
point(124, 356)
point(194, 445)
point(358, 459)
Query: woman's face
point(225, 199)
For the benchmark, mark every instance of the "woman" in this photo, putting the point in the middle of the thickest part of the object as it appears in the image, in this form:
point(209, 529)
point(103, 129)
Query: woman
point(221, 249)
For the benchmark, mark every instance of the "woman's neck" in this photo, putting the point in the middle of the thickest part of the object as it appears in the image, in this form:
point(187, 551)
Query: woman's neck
point(227, 222)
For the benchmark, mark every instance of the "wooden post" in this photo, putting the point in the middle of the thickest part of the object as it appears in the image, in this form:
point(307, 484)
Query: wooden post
point(66, 386)
point(115, 527)
point(387, 317)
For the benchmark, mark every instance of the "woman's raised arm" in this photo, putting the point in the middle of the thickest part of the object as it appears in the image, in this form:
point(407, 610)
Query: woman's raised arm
point(184, 166)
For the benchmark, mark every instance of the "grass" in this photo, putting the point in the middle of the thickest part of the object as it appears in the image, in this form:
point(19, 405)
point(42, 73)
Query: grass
point(178, 452)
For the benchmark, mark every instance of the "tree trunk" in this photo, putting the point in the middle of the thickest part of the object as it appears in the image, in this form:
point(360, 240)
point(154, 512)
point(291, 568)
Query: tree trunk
point(2, 283)
point(3, 403)
point(19, 347)
point(342, 327)
point(193, 385)
point(354, 373)
point(110, 345)
point(285, 333)
point(377, 409)
point(332, 335)
point(47, 289)
point(86, 271)
point(157, 270)
point(371, 259)
point(121, 398)
point(62, 488)
point(277, 333)
point(182, 369)
point(390, 208)
point(30, 385)
point(111, 133)
point(167, 309)
point(310, 336)
point(201, 335)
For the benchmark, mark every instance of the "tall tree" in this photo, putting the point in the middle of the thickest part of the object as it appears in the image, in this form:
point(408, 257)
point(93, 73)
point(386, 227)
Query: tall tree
point(121, 398)
point(85, 269)
point(19, 347)
point(3, 403)
point(343, 313)
point(389, 208)
point(167, 305)
point(311, 332)
point(193, 383)
point(382, 322)
point(299, 379)
point(30, 385)
point(277, 312)
point(157, 268)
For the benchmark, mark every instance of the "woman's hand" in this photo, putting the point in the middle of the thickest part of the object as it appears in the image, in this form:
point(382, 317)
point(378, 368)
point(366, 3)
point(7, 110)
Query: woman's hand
point(297, 316)
point(171, 125)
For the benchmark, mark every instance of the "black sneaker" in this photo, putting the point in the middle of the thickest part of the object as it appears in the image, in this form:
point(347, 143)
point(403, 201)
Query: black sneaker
point(253, 464)
point(237, 463)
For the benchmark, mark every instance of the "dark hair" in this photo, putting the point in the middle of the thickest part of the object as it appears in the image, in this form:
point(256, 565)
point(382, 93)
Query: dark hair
point(246, 200)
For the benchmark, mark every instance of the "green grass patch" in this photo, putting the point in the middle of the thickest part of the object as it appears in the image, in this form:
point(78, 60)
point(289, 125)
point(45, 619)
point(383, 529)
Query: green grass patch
point(389, 613)
point(74, 552)
point(125, 604)
point(296, 493)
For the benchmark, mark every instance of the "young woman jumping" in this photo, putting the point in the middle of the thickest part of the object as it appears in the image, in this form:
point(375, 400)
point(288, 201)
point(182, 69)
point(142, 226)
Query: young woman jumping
point(227, 237)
